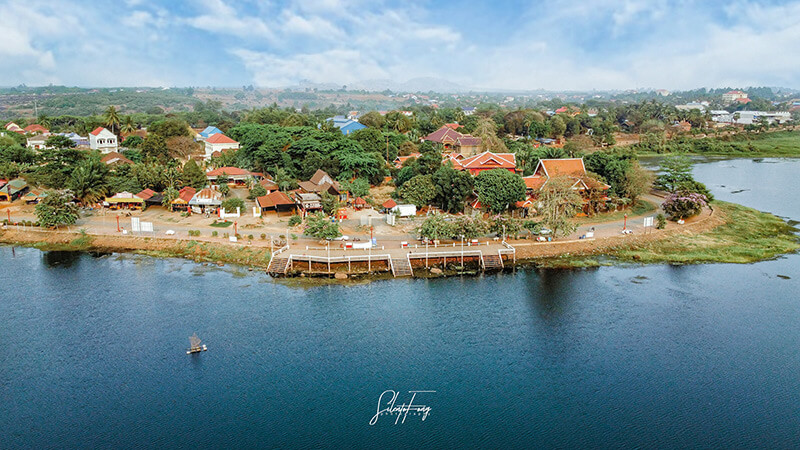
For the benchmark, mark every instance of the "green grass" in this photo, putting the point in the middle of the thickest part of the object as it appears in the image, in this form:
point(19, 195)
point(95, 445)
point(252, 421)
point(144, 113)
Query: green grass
point(779, 143)
point(747, 236)
point(221, 224)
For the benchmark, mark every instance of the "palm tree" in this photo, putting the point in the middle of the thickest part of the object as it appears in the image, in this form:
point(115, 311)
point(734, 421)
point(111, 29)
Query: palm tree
point(128, 126)
point(44, 121)
point(88, 181)
point(111, 119)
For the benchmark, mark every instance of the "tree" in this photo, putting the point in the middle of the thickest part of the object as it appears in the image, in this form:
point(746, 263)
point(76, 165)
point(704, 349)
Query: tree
point(193, 175)
point(169, 128)
point(257, 191)
point(419, 190)
point(169, 195)
point(499, 189)
point(58, 141)
point(154, 148)
point(56, 208)
point(111, 119)
point(330, 203)
point(44, 121)
point(557, 126)
point(372, 119)
point(319, 226)
point(437, 226)
point(357, 188)
point(676, 170)
point(558, 203)
point(128, 126)
point(487, 131)
point(452, 188)
point(222, 183)
point(182, 146)
point(684, 205)
point(230, 204)
point(88, 182)
point(133, 141)
point(636, 182)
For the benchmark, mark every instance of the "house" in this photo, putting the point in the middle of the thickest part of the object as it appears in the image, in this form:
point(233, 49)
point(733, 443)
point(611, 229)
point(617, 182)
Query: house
point(278, 202)
point(322, 182)
point(80, 141)
point(454, 141)
point(33, 197)
point(236, 176)
point(453, 126)
point(11, 126)
point(308, 202)
point(405, 210)
point(732, 96)
point(388, 205)
point(400, 160)
point(468, 111)
point(359, 203)
point(124, 200)
point(571, 168)
point(208, 132)
point(181, 203)
point(115, 159)
point(36, 129)
point(218, 143)
point(269, 185)
point(151, 197)
point(206, 200)
point(13, 190)
point(345, 125)
point(37, 142)
point(488, 161)
point(103, 140)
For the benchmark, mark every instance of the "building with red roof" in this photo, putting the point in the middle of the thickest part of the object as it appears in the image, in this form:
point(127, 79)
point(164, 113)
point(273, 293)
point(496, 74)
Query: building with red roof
point(732, 96)
point(572, 169)
point(36, 129)
point(488, 161)
point(453, 140)
point(185, 195)
point(236, 176)
point(114, 159)
point(277, 202)
point(103, 140)
point(218, 142)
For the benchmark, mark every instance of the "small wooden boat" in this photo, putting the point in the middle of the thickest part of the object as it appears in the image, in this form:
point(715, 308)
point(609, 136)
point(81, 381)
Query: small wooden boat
point(195, 345)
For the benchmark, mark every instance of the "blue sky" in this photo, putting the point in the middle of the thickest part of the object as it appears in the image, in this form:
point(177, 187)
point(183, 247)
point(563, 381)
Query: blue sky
point(555, 44)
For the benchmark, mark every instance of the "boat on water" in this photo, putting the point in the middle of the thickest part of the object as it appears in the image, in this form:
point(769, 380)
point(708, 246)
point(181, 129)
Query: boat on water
point(195, 345)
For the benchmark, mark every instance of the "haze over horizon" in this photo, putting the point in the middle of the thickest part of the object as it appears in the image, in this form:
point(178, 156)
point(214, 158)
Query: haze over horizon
point(508, 45)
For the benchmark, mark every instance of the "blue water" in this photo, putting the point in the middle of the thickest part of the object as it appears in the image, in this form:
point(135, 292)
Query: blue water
point(92, 352)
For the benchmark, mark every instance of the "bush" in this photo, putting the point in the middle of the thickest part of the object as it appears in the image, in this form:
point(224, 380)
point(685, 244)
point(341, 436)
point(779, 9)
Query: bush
point(250, 236)
point(214, 233)
point(681, 205)
point(263, 236)
point(194, 232)
point(661, 222)
point(230, 204)
point(295, 220)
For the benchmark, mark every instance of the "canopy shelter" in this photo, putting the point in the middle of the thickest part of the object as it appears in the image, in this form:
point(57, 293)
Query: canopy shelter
point(124, 200)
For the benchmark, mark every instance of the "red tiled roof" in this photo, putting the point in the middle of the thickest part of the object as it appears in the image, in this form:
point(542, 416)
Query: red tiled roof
point(453, 126)
point(534, 182)
point(389, 204)
point(274, 199)
point(442, 135)
point(490, 160)
point(36, 128)
point(145, 194)
point(567, 166)
point(359, 201)
point(186, 193)
point(112, 156)
point(229, 171)
point(97, 131)
point(743, 100)
point(470, 141)
point(268, 184)
point(219, 138)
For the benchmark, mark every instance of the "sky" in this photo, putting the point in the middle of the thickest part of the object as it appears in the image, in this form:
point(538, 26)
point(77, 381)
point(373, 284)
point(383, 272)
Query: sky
point(501, 44)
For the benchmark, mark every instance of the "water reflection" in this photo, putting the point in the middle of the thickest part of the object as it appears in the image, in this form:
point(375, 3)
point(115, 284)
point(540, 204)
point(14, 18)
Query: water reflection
point(63, 259)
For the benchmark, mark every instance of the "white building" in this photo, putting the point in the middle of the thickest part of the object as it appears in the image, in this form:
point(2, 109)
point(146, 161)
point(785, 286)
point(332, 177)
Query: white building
point(103, 140)
point(750, 117)
point(732, 96)
point(218, 142)
point(37, 142)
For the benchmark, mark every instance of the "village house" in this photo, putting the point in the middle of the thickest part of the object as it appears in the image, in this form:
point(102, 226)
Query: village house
point(236, 176)
point(36, 129)
point(345, 125)
point(277, 202)
point(13, 190)
point(103, 140)
point(732, 96)
point(322, 182)
point(487, 161)
point(572, 169)
point(181, 203)
point(115, 159)
point(14, 128)
point(400, 160)
point(124, 200)
point(207, 133)
point(206, 200)
point(218, 142)
point(33, 197)
point(37, 142)
point(308, 202)
point(78, 140)
point(269, 185)
point(151, 197)
point(452, 140)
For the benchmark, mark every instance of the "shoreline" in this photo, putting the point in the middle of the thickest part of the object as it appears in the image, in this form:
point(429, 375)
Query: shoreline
point(729, 233)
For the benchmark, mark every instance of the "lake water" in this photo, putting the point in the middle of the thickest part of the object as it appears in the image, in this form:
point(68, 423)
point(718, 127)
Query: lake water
point(92, 352)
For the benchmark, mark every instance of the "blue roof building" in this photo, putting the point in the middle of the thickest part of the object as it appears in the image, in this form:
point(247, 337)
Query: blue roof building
point(345, 125)
point(209, 131)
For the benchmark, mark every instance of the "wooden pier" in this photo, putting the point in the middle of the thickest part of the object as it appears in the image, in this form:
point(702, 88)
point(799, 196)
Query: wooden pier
point(395, 258)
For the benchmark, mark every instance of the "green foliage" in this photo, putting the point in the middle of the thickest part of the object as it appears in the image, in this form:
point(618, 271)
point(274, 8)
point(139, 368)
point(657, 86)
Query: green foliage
point(505, 226)
point(444, 226)
point(357, 188)
point(558, 203)
point(676, 176)
point(613, 168)
point(320, 226)
point(169, 195)
point(58, 141)
point(88, 182)
point(419, 190)
point(499, 189)
point(192, 175)
point(683, 205)
point(330, 204)
point(452, 188)
point(154, 148)
point(55, 209)
point(661, 221)
point(133, 141)
point(295, 220)
point(194, 233)
point(169, 128)
point(257, 191)
point(230, 204)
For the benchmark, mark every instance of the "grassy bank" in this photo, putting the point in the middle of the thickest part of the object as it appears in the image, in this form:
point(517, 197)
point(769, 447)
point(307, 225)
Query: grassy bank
point(746, 236)
point(759, 145)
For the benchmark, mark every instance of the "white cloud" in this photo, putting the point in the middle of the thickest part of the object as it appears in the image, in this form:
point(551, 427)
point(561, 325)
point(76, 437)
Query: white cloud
point(219, 17)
